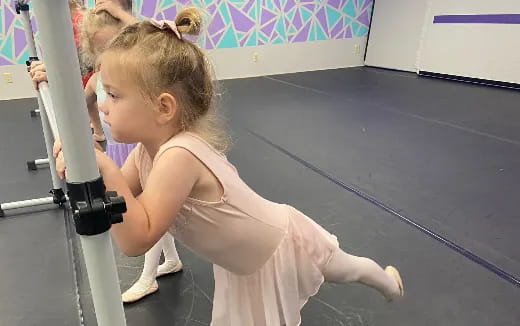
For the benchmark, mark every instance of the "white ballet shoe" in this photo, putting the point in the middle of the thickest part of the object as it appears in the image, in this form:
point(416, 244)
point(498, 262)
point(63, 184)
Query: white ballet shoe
point(139, 290)
point(169, 267)
point(394, 273)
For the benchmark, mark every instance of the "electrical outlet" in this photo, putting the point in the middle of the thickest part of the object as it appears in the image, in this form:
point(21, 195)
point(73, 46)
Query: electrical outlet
point(255, 57)
point(357, 48)
point(8, 77)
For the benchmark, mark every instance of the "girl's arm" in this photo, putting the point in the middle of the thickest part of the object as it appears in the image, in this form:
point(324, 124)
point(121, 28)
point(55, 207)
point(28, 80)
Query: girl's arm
point(131, 174)
point(149, 216)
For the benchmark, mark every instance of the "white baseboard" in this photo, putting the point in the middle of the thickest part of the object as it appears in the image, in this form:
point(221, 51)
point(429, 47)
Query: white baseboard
point(287, 58)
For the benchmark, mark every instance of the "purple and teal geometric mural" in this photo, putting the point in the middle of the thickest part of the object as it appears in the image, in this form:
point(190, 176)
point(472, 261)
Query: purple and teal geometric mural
point(230, 23)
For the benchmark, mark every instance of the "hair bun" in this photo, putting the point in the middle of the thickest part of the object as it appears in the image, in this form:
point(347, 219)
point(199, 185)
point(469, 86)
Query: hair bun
point(189, 21)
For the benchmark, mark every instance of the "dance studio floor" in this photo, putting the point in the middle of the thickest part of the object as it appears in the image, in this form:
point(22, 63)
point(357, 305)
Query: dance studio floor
point(419, 173)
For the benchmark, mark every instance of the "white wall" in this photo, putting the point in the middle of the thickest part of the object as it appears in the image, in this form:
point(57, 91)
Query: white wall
point(288, 58)
point(395, 34)
point(239, 63)
point(486, 51)
point(21, 86)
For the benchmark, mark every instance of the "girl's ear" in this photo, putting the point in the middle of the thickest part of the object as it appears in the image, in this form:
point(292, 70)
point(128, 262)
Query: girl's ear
point(167, 108)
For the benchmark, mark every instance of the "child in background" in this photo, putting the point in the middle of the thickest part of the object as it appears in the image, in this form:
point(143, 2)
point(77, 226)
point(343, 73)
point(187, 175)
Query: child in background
point(76, 14)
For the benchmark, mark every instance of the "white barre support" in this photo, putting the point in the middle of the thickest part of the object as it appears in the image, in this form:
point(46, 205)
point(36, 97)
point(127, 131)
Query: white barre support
point(63, 73)
point(28, 203)
point(34, 164)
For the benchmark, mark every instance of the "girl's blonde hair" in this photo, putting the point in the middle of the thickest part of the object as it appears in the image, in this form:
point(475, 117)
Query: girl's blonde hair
point(92, 23)
point(161, 62)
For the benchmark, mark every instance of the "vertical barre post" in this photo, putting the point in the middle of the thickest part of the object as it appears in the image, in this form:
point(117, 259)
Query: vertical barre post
point(63, 72)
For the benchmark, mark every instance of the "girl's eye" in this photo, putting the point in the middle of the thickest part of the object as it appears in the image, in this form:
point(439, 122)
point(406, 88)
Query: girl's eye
point(112, 95)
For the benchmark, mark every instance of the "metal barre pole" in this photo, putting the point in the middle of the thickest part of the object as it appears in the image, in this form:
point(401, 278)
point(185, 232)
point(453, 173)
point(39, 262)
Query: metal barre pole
point(63, 72)
point(48, 107)
point(28, 203)
point(41, 161)
point(23, 8)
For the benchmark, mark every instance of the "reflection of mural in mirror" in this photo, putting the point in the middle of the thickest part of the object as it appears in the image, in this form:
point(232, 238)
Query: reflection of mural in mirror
point(231, 23)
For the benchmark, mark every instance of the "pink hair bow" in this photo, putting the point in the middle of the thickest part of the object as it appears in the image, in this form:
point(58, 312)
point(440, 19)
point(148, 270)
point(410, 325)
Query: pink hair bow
point(167, 24)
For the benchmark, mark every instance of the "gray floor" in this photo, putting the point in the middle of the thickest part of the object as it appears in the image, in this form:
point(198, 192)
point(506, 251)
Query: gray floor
point(443, 154)
point(37, 286)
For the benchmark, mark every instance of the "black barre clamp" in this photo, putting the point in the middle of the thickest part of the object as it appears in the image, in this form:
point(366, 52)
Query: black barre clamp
point(31, 165)
point(58, 196)
point(94, 209)
point(20, 7)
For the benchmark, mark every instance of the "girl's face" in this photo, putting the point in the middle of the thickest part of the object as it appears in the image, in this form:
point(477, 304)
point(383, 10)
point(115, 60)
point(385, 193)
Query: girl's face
point(129, 115)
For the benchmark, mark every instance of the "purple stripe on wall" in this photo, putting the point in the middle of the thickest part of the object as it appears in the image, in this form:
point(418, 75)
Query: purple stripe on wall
point(478, 19)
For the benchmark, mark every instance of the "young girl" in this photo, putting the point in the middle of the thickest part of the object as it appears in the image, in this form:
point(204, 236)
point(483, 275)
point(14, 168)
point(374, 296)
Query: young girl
point(120, 9)
point(269, 258)
point(38, 72)
point(97, 30)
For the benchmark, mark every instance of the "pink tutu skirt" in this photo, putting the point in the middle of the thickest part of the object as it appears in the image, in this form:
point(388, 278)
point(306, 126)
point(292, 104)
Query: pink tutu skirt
point(275, 294)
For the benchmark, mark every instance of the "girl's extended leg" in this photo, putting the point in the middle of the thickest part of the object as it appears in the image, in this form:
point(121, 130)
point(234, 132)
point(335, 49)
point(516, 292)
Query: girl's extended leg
point(346, 268)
